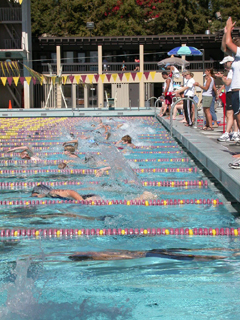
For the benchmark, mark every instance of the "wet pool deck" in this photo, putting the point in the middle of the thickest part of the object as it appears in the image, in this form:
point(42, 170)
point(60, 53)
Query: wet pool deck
point(213, 155)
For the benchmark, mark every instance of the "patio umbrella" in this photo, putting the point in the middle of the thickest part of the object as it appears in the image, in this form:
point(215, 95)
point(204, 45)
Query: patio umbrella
point(174, 61)
point(185, 51)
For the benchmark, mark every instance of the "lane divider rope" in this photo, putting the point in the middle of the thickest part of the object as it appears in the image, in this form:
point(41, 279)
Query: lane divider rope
point(17, 162)
point(234, 232)
point(159, 202)
point(91, 171)
point(167, 183)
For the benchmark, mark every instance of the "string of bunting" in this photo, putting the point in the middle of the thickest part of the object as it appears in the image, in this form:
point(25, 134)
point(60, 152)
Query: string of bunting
point(11, 72)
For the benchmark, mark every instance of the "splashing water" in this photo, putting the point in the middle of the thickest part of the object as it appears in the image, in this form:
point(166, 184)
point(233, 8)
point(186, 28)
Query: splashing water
point(21, 302)
point(120, 169)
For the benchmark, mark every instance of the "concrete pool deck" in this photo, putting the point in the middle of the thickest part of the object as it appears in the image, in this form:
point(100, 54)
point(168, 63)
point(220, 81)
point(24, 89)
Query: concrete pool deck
point(213, 155)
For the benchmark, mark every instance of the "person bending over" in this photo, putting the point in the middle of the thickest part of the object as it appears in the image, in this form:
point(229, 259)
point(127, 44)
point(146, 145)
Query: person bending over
point(42, 191)
point(25, 153)
point(175, 254)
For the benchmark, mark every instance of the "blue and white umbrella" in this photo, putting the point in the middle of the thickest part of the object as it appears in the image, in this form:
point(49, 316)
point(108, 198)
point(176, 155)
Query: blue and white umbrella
point(185, 51)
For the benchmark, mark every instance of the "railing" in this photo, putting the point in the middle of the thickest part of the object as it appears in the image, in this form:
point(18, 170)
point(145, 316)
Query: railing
point(116, 67)
point(72, 68)
point(10, 14)
point(12, 44)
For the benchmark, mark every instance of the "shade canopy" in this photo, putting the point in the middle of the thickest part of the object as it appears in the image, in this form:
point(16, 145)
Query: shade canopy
point(185, 51)
point(174, 61)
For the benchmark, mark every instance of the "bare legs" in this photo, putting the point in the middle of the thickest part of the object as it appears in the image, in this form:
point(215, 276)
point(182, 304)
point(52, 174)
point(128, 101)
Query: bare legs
point(208, 118)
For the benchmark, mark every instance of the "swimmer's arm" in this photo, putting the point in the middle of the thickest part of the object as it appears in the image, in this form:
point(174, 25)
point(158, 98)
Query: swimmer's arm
point(101, 125)
point(20, 149)
point(100, 172)
point(71, 193)
point(117, 143)
point(71, 141)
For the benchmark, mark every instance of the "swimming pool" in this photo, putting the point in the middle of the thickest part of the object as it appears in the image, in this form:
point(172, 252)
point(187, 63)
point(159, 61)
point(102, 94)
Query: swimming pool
point(40, 281)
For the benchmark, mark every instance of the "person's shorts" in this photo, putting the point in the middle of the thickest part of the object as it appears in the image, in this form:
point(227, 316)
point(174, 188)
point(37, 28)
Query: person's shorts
point(168, 98)
point(206, 101)
point(235, 102)
point(229, 101)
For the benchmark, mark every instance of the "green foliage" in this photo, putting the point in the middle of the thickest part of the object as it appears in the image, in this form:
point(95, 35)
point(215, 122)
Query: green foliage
point(130, 17)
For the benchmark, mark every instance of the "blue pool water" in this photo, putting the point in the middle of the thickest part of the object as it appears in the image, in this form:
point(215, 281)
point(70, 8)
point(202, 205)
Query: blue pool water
point(40, 281)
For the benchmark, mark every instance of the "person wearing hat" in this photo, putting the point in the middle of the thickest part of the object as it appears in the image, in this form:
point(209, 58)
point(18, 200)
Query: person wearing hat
point(227, 79)
point(234, 47)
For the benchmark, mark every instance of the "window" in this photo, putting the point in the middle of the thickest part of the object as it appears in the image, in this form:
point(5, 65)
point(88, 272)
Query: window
point(54, 57)
point(68, 57)
point(81, 57)
point(93, 57)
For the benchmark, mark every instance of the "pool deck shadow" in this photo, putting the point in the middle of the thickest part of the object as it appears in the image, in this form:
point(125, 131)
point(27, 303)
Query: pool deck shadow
point(213, 155)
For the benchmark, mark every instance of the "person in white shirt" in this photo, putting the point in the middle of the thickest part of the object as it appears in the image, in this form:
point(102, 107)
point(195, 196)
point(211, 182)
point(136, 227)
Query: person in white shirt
point(233, 45)
point(189, 92)
point(227, 79)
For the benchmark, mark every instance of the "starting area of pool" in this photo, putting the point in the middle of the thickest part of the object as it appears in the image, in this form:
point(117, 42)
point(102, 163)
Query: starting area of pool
point(156, 240)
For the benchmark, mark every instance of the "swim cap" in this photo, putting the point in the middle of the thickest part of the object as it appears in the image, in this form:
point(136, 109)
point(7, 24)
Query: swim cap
point(41, 189)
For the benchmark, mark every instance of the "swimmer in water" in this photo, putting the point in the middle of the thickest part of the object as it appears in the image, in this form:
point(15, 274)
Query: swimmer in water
point(175, 254)
point(127, 140)
point(71, 143)
point(25, 153)
point(70, 148)
point(42, 191)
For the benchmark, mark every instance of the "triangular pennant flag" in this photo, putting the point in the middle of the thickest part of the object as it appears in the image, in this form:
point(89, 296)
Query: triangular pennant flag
point(9, 79)
point(152, 73)
point(114, 75)
point(127, 75)
point(96, 76)
point(120, 75)
point(28, 79)
point(71, 78)
point(34, 80)
point(133, 75)
point(146, 75)
point(83, 78)
point(90, 78)
point(139, 75)
point(20, 1)
point(53, 80)
point(22, 80)
point(4, 80)
point(108, 77)
point(41, 81)
point(77, 78)
point(15, 79)
point(64, 79)
point(102, 76)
